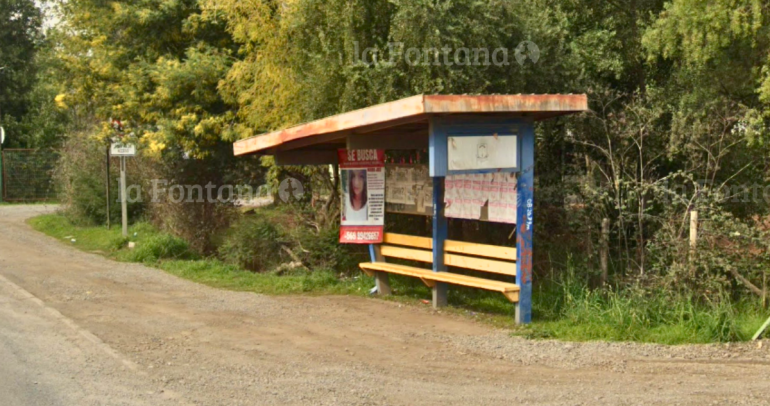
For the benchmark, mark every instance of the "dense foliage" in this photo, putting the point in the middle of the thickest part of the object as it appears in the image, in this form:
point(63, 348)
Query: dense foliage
point(20, 37)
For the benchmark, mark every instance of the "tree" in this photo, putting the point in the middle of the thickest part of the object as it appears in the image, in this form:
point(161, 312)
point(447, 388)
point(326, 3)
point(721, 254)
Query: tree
point(718, 50)
point(154, 64)
point(20, 22)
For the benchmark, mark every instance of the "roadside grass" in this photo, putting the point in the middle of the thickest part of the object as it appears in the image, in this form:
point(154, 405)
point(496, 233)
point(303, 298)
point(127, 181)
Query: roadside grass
point(564, 309)
point(172, 255)
point(29, 203)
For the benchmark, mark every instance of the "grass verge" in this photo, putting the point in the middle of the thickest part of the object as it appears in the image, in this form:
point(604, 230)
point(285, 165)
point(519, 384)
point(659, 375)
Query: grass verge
point(29, 203)
point(173, 256)
point(564, 309)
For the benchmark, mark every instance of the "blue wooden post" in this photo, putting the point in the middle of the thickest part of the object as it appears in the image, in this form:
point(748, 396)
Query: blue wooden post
point(437, 152)
point(525, 223)
point(439, 236)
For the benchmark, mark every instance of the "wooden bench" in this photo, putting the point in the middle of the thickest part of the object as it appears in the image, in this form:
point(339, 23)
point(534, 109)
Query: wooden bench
point(478, 257)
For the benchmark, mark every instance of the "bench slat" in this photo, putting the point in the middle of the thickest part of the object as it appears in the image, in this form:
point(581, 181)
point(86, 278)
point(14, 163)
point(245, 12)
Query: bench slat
point(408, 240)
point(478, 264)
point(481, 250)
point(510, 290)
point(396, 268)
point(481, 264)
point(406, 253)
point(440, 276)
point(458, 247)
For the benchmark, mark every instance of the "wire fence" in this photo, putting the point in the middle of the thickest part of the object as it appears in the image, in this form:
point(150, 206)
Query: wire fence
point(28, 175)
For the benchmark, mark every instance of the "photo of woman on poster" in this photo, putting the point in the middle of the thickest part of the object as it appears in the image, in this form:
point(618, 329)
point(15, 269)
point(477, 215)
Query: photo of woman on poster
point(356, 195)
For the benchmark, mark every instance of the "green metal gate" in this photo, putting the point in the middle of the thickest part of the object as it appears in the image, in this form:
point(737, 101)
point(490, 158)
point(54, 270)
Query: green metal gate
point(27, 175)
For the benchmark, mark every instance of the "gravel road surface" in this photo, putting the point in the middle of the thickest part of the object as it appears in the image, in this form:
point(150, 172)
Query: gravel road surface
point(78, 329)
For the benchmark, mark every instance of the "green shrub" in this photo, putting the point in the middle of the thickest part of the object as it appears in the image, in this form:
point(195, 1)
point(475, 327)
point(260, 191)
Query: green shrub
point(322, 249)
point(201, 218)
point(118, 243)
point(262, 241)
point(253, 243)
point(80, 174)
point(157, 247)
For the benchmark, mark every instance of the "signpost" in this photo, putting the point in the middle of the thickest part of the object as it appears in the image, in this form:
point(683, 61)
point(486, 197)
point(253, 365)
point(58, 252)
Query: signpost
point(123, 151)
point(2, 141)
point(107, 184)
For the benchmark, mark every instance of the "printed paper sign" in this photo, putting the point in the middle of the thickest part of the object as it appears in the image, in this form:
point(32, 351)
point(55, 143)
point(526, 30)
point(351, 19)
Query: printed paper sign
point(482, 152)
point(119, 149)
point(466, 195)
point(408, 189)
point(363, 196)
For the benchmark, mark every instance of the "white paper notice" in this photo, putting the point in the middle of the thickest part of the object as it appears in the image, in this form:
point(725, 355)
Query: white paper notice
point(502, 198)
point(482, 152)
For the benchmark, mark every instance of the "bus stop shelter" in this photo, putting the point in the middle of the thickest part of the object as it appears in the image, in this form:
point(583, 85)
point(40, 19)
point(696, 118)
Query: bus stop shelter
point(433, 123)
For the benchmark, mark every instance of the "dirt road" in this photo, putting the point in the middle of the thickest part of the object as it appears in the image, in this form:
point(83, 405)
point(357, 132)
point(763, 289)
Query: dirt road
point(77, 329)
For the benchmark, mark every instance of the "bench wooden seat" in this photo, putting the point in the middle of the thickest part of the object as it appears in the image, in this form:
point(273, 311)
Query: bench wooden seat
point(510, 290)
point(478, 257)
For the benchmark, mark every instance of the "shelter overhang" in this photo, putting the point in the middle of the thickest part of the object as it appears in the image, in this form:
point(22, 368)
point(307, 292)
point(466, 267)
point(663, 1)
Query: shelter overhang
point(401, 124)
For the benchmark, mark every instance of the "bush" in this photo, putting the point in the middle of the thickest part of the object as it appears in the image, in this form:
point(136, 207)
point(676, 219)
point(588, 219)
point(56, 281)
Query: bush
point(81, 173)
point(321, 249)
point(198, 219)
point(282, 234)
point(253, 244)
point(157, 247)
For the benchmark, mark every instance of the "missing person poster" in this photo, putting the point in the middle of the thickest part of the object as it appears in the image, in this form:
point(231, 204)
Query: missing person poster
point(363, 195)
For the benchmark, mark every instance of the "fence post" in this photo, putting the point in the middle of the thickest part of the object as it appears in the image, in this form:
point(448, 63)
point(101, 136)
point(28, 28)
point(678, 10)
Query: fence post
point(693, 239)
point(605, 249)
point(693, 230)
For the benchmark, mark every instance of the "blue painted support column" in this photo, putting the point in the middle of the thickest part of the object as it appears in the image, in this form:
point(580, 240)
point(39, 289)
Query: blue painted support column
point(437, 152)
point(439, 236)
point(525, 223)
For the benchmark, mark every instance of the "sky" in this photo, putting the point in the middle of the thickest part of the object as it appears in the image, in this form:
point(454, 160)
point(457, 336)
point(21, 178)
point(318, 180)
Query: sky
point(50, 15)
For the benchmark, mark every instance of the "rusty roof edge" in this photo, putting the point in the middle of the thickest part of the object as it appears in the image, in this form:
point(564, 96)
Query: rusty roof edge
point(506, 103)
point(415, 106)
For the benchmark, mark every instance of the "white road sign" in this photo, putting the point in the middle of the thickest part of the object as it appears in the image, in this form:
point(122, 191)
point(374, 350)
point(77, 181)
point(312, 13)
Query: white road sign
point(122, 149)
